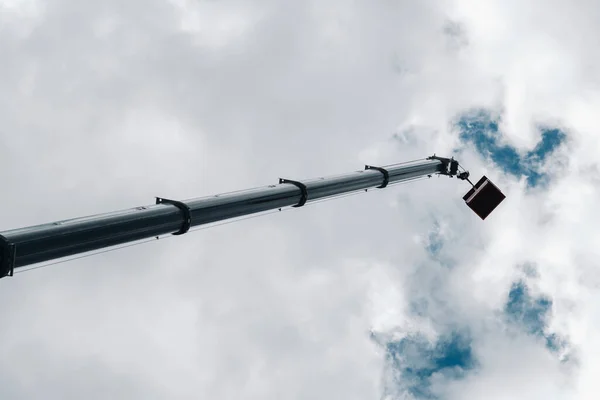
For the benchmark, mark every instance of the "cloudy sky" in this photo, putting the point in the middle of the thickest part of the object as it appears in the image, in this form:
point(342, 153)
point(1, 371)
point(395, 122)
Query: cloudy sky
point(401, 293)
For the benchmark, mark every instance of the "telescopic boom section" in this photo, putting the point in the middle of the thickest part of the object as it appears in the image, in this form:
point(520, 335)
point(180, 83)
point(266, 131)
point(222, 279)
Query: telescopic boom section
point(26, 246)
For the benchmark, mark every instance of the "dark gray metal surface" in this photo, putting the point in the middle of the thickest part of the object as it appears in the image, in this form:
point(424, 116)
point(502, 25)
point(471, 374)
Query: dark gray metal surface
point(25, 246)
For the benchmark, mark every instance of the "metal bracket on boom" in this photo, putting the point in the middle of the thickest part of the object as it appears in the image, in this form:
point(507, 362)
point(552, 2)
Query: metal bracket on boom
point(187, 217)
point(386, 175)
point(300, 186)
point(450, 168)
point(450, 165)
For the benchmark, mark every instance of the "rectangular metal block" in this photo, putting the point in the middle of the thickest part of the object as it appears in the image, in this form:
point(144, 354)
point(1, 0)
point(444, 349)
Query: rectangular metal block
point(484, 197)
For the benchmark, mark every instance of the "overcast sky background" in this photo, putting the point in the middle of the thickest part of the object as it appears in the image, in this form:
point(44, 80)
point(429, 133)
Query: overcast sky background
point(397, 294)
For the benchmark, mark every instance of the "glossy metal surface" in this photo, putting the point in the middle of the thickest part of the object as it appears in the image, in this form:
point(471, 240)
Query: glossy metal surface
point(65, 238)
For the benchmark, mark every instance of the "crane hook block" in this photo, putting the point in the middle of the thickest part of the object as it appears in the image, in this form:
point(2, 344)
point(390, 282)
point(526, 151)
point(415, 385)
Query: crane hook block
point(299, 185)
point(386, 175)
point(187, 215)
point(484, 197)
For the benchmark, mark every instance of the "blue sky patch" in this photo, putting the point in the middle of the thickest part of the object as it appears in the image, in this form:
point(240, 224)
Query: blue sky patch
point(531, 314)
point(416, 360)
point(434, 246)
point(524, 309)
point(434, 241)
point(480, 129)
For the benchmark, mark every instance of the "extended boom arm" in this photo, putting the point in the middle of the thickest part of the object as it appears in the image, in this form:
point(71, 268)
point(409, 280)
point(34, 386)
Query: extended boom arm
point(25, 246)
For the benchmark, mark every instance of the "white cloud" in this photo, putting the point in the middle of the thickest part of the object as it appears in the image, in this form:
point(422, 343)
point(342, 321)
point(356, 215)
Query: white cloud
point(104, 106)
point(215, 25)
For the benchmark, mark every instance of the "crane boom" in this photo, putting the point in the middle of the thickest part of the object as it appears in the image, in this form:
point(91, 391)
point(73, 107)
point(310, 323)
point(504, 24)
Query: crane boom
point(35, 244)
